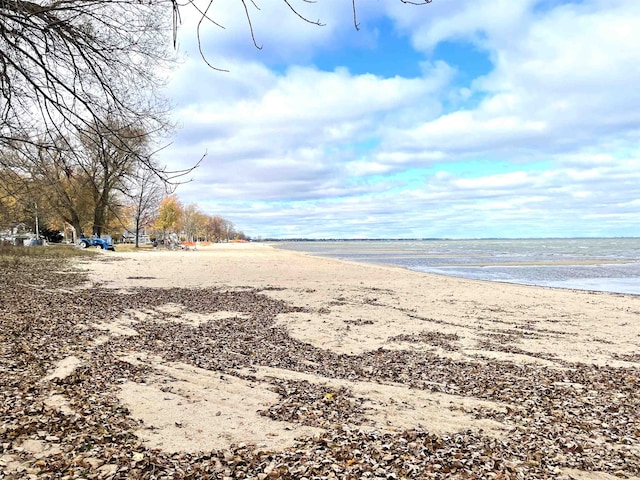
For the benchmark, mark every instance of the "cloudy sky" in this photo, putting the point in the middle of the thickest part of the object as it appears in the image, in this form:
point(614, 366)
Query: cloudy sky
point(504, 118)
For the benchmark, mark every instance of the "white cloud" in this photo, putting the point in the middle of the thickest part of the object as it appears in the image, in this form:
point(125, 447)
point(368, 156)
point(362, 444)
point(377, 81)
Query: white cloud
point(301, 123)
point(506, 180)
point(565, 79)
point(499, 20)
point(299, 151)
point(560, 201)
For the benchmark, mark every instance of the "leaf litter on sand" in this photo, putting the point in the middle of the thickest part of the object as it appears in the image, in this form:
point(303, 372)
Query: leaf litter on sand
point(72, 424)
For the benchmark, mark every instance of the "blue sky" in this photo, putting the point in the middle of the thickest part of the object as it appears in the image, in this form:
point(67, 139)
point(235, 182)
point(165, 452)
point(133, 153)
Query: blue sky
point(452, 119)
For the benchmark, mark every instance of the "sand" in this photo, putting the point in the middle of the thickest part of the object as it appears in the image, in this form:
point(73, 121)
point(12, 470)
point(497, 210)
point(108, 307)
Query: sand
point(350, 308)
point(398, 300)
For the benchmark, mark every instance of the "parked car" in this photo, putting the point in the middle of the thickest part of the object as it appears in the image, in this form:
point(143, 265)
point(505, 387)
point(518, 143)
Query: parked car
point(105, 242)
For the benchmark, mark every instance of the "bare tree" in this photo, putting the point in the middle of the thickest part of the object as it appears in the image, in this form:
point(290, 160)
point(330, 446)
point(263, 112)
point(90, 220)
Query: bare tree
point(68, 65)
point(145, 192)
point(110, 156)
point(229, 230)
point(190, 221)
point(84, 177)
point(215, 228)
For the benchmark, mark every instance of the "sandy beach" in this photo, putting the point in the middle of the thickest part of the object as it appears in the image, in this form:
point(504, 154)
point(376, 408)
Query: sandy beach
point(318, 368)
point(353, 307)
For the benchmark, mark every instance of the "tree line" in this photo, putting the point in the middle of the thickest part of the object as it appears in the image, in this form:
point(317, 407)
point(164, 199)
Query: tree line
point(191, 224)
point(96, 192)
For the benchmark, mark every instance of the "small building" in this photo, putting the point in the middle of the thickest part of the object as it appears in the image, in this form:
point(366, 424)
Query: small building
point(16, 234)
point(130, 237)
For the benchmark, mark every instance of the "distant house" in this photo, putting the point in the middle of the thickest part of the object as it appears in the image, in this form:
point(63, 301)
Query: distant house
point(15, 234)
point(130, 237)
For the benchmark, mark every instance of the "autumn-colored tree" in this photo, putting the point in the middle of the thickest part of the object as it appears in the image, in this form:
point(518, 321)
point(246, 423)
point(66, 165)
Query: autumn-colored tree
point(51, 179)
point(201, 226)
point(170, 215)
point(12, 202)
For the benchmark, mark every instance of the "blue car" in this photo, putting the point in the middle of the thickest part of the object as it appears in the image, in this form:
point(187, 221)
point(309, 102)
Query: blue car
point(105, 242)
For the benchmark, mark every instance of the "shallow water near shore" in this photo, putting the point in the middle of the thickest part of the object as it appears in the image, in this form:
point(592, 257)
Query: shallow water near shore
point(598, 264)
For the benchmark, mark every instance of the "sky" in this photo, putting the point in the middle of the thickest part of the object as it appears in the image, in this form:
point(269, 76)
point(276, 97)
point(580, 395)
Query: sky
point(454, 119)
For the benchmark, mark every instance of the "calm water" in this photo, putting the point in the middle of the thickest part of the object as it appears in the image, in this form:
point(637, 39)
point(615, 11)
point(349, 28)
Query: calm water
point(610, 264)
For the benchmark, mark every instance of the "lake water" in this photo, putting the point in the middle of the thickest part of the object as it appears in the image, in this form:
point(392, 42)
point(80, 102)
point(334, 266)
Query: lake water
point(599, 264)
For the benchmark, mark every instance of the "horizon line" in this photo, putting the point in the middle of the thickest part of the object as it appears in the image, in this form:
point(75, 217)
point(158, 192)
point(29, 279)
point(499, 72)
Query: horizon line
point(362, 239)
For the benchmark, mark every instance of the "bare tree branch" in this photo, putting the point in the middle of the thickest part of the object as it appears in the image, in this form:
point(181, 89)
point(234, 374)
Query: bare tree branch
point(71, 64)
point(206, 16)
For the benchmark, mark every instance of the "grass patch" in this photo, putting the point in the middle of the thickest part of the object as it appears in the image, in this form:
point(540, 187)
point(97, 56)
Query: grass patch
point(12, 255)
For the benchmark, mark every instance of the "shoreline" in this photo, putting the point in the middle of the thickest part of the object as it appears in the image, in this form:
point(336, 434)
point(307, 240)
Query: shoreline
point(614, 285)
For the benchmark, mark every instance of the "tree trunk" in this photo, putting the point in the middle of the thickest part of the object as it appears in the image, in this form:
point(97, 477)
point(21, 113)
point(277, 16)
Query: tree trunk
point(75, 223)
point(98, 221)
point(137, 229)
point(99, 216)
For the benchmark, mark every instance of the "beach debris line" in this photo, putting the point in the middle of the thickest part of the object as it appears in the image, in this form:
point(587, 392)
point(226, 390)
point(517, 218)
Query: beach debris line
point(558, 420)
